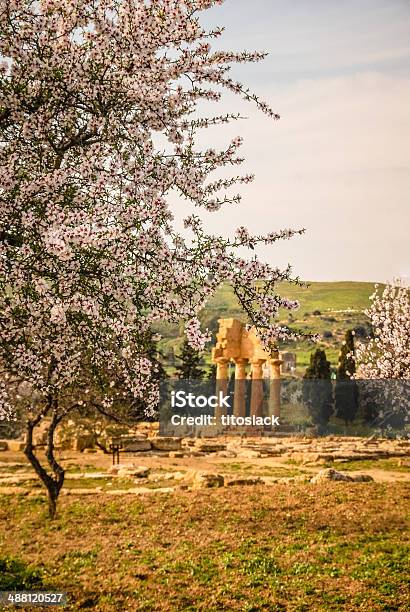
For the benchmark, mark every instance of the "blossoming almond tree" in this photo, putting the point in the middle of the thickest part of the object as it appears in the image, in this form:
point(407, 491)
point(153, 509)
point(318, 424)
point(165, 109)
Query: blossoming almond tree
point(386, 357)
point(89, 254)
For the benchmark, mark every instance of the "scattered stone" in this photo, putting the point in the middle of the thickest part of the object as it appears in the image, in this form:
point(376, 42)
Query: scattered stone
point(304, 478)
point(167, 476)
point(13, 491)
point(133, 472)
point(17, 479)
point(83, 442)
point(140, 491)
point(166, 444)
point(206, 480)
point(82, 491)
point(233, 482)
point(208, 446)
point(330, 474)
point(227, 454)
point(15, 445)
point(362, 478)
point(82, 475)
point(136, 445)
point(129, 471)
point(249, 453)
point(188, 442)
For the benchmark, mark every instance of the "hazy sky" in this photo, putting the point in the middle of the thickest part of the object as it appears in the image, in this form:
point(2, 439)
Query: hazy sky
point(338, 161)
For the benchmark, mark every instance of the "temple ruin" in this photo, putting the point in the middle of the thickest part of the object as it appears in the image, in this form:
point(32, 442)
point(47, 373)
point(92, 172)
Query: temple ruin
point(241, 346)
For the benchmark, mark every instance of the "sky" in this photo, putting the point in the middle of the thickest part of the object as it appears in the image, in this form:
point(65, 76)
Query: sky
point(338, 161)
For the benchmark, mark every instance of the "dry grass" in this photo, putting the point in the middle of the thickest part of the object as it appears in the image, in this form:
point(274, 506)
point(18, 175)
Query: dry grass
point(338, 546)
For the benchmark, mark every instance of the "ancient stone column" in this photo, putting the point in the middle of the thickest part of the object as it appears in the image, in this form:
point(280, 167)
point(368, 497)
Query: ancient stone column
point(274, 392)
point(257, 387)
point(239, 404)
point(221, 384)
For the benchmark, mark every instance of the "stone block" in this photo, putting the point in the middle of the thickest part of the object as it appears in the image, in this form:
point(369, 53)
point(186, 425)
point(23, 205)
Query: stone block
point(83, 442)
point(129, 471)
point(330, 474)
point(207, 480)
point(233, 482)
point(166, 443)
point(249, 453)
point(207, 446)
point(362, 478)
point(15, 445)
point(134, 446)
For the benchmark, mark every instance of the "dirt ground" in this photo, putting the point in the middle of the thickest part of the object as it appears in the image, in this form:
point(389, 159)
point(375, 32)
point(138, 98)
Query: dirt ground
point(155, 543)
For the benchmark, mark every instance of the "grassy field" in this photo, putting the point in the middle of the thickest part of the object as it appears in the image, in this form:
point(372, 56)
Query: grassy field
point(337, 546)
point(326, 308)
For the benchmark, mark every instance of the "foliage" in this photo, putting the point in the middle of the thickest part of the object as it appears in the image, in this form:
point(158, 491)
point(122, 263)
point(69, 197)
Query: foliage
point(317, 390)
point(386, 357)
point(346, 392)
point(342, 305)
point(212, 372)
point(15, 575)
point(191, 359)
point(99, 126)
point(140, 407)
point(89, 254)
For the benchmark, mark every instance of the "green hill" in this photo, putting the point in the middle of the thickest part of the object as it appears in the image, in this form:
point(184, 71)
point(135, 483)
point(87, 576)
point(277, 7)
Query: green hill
point(327, 308)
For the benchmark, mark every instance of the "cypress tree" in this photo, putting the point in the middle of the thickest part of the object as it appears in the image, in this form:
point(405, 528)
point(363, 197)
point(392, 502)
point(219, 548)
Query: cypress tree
point(190, 358)
point(317, 390)
point(154, 355)
point(346, 392)
point(212, 372)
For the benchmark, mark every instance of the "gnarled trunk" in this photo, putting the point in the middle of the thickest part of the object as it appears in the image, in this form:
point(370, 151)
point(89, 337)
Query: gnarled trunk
point(54, 482)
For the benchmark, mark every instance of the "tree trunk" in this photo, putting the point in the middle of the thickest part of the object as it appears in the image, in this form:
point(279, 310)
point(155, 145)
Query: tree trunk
point(53, 483)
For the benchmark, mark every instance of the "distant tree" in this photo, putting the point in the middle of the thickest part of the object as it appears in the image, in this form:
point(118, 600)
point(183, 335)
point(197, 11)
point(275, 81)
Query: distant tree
point(387, 355)
point(190, 358)
point(212, 372)
point(346, 392)
point(155, 356)
point(317, 390)
point(347, 365)
point(170, 357)
point(383, 364)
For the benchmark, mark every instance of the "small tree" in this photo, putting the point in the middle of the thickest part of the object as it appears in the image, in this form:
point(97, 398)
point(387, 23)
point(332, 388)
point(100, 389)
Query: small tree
point(317, 390)
point(191, 359)
point(346, 392)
